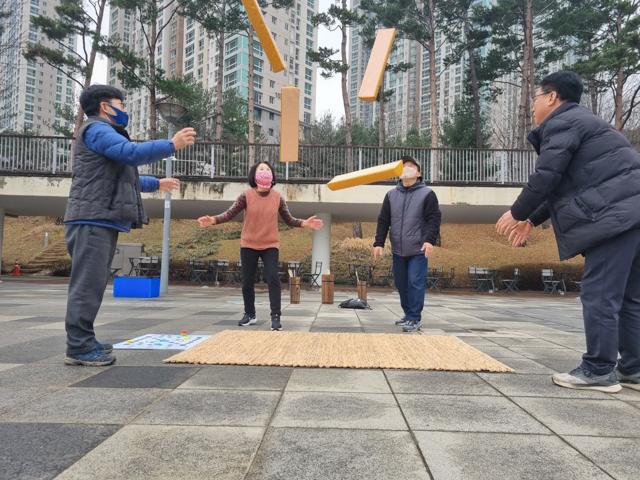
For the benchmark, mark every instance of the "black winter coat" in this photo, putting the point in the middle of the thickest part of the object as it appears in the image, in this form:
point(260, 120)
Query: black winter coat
point(586, 179)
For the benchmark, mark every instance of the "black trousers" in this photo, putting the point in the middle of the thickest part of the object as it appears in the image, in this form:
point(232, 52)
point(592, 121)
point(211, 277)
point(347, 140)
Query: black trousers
point(611, 305)
point(270, 258)
point(91, 249)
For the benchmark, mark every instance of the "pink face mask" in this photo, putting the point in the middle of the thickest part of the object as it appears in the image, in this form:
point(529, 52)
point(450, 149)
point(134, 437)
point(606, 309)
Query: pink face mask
point(264, 178)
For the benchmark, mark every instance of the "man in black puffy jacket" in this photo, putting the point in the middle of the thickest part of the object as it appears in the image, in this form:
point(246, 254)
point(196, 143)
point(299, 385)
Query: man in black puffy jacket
point(587, 180)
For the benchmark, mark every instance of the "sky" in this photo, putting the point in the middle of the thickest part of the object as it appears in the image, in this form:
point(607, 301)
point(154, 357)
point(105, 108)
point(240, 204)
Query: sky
point(328, 93)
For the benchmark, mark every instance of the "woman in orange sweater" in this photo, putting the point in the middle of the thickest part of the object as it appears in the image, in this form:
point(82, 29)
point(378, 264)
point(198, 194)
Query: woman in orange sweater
point(260, 237)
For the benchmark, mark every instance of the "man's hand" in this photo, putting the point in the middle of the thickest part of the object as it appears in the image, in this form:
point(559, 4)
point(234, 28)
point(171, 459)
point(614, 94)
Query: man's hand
point(313, 222)
point(169, 184)
point(427, 248)
point(377, 252)
point(520, 234)
point(184, 138)
point(206, 221)
point(506, 223)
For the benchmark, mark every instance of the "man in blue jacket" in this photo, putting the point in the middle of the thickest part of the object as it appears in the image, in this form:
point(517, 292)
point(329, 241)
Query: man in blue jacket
point(587, 180)
point(104, 200)
point(412, 213)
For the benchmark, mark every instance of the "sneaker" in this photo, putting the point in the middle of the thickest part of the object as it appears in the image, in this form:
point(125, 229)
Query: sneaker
point(581, 379)
point(276, 326)
point(94, 358)
point(402, 322)
point(105, 347)
point(412, 326)
point(248, 320)
point(629, 381)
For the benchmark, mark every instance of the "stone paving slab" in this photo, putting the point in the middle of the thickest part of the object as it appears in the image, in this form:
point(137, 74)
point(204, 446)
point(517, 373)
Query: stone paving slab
point(85, 405)
point(604, 418)
point(43, 376)
point(212, 407)
point(467, 414)
point(339, 410)
point(337, 380)
point(537, 386)
point(34, 350)
point(445, 383)
point(233, 377)
point(318, 454)
point(40, 451)
point(140, 452)
point(481, 456)
point(139, 377)
point(617, 456)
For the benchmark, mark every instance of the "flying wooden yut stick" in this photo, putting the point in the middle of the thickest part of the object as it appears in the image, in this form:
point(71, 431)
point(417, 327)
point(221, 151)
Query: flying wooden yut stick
point(378, 59)
point(264, 34)
point(365, 176)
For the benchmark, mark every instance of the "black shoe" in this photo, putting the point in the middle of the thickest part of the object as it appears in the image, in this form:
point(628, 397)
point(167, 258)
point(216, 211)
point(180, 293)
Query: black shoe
point(105, 347)
point(275, 323)
point(248, 320)
point(629, 381)
point(412, 326)
point(94, 358)
point(402, 322)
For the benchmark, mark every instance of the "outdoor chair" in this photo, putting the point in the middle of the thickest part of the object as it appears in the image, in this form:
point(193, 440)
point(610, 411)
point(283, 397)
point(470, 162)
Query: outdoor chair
point(550, 283)
point(198, 271)
point(315, 275)
point(447, 279)
point(434, 276)
point(511, 284)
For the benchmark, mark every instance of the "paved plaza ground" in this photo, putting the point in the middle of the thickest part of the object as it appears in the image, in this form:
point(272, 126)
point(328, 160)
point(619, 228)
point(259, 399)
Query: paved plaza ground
point(144, 419)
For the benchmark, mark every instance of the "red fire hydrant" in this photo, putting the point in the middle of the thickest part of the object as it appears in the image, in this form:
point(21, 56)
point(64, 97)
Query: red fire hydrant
point(16, 272)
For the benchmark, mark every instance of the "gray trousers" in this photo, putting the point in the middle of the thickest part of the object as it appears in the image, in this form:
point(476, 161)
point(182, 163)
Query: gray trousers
point(91, 249)
point(611, 305)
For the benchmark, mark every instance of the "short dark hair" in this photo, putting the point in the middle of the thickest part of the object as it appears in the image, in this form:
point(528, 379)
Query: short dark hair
point(92, 96)
point(567, 84)
point(252, 174)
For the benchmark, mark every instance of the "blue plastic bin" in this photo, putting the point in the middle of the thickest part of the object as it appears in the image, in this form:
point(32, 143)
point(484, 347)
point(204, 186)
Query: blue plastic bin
point(136, 287)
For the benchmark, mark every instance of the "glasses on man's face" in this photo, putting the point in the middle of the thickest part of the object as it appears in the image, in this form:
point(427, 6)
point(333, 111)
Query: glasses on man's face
point(541, 94)
point(118, 104)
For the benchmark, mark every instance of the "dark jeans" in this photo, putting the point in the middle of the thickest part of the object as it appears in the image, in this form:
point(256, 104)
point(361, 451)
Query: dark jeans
point(91, 249)
point(410, 277)
point(249, 258)
point(611, 305)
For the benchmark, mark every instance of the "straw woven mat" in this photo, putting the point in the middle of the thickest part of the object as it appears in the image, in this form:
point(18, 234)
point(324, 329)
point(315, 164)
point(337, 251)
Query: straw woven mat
point(339, 350)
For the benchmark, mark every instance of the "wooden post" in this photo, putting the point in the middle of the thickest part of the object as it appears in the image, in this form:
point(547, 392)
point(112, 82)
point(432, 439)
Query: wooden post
point(327, 289)
point(294, 290)
point(362, 290)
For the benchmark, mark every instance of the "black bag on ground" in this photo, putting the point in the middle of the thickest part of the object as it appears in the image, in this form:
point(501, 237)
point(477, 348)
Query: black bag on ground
point(355, 303)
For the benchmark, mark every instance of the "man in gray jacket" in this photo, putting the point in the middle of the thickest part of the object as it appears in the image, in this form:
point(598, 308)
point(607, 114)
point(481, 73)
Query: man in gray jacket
point(587, 180)
point(412, 213)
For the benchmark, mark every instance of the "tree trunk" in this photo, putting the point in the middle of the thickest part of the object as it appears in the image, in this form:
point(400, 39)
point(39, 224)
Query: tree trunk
point(618, 99)
point(381, 125)
point(348, 121)
point(91, 63)
point(433, 80)
point(619, 83)
point(475, 87)
point(524, 109)
point(153, 113)
point(433, 85)
point(220, 81)
point(250, 100)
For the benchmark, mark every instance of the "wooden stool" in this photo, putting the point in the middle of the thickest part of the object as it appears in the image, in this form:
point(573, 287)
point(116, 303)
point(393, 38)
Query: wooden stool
point(327, 289)
point(294, 290)
point(362, 290)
